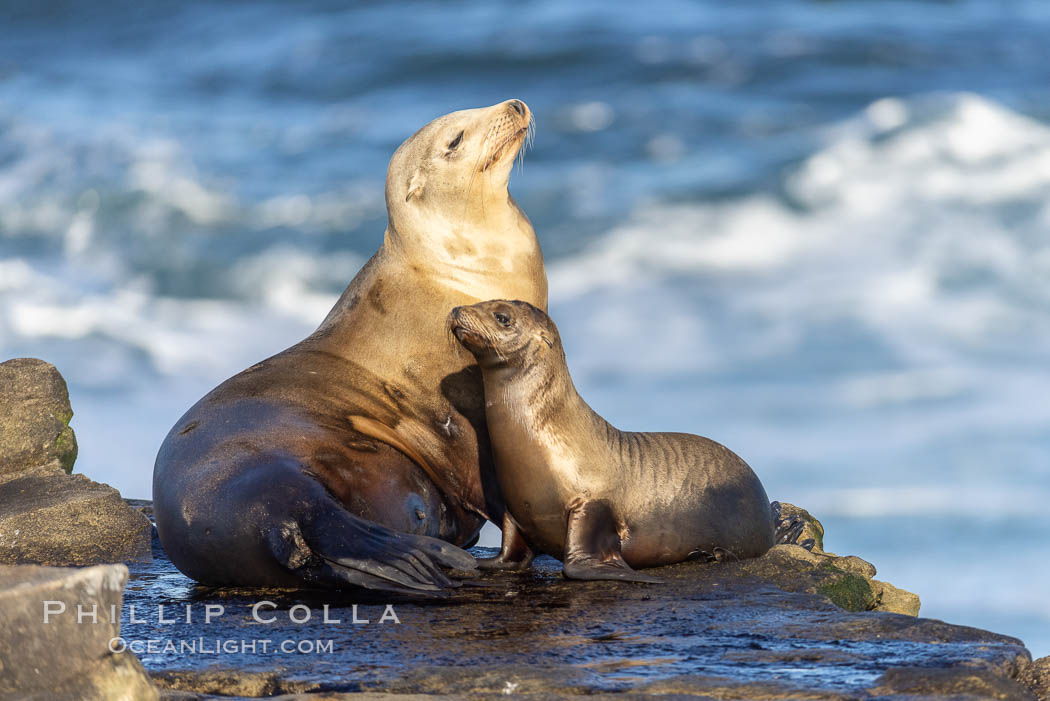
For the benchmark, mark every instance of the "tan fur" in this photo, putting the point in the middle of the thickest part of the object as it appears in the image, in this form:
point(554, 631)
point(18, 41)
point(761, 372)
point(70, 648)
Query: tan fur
point(377, 390)
point(455, 236)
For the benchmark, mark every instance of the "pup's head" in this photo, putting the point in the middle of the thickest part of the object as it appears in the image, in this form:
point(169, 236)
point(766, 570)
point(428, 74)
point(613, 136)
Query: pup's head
point(501, 332)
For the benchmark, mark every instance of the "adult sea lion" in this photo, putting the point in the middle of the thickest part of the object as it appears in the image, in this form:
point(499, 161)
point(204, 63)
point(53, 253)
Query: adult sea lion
point(344, 458)
point(604, 501)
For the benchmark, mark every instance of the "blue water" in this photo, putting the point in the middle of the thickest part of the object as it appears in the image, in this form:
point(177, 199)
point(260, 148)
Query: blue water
point(818, 232)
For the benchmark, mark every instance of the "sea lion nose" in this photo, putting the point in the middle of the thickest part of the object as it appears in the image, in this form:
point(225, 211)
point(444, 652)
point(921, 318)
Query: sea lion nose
point(455, 312)
point(518, 106)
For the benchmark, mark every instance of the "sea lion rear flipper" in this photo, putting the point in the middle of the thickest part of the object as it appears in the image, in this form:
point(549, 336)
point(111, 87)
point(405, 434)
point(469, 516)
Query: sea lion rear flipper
point(592, 546)
point(334, 548)
point(514, 554)
point(786, 529)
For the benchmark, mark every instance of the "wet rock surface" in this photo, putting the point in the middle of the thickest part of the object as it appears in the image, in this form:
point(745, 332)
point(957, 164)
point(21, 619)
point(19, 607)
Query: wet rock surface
point(749, 629)
point(65, 655)
point(47, 516)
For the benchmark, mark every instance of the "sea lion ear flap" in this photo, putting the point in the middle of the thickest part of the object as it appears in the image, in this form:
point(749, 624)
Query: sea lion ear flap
point(415, 184)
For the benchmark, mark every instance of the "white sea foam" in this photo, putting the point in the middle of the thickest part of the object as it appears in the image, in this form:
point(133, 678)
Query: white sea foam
point(135, 362)
point(287, 280)
point(891, 301)
point(179, 336)
point(54, 179)
point(924, 223)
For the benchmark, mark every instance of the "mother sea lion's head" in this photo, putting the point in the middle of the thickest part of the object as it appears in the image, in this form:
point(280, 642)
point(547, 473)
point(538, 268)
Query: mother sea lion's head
point(456, 167)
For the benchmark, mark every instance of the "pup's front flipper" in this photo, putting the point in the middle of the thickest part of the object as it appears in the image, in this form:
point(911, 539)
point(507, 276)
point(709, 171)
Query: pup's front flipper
point(592, 546)
point(514, 554)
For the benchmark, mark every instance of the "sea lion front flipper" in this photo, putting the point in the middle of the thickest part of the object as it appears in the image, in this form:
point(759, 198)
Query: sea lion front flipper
point(331, 547)
point(514, 554)
point(592, 546)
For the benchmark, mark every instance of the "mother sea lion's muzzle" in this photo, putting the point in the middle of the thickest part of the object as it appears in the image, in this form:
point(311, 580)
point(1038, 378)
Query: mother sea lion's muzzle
point(519, 107)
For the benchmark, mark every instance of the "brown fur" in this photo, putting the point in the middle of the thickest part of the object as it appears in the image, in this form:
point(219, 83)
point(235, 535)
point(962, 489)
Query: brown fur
point(373, 405)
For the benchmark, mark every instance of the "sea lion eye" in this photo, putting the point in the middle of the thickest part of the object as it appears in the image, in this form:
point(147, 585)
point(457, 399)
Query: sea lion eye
point(502, 318)
point(455, 142)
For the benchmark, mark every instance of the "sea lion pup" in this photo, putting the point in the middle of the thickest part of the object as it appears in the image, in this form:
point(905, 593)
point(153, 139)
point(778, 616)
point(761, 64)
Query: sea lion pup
point(339, 461)
point(604, 501)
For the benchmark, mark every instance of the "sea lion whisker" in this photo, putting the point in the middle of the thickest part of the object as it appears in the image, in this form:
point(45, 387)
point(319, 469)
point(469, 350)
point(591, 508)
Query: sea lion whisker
point(526, 144)
point(502, 146)
point(450, 336)
point(530, 136)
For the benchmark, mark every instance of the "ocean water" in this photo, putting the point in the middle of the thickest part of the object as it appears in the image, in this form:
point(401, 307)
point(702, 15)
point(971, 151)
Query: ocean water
point(817, 232)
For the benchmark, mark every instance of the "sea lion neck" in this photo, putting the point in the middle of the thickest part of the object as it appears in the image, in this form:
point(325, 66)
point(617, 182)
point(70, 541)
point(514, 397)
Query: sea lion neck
point(478, 231)
point(532, 387)
point(480, 255)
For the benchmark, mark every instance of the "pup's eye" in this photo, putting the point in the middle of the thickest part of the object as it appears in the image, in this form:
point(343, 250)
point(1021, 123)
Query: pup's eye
point(455, 142)
point(502, 318)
